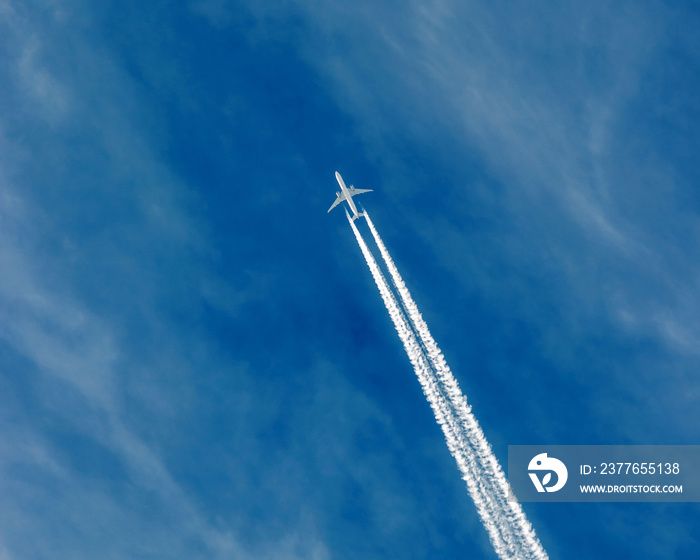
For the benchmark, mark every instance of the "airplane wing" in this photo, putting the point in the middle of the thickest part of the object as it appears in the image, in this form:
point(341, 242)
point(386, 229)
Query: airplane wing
point(354, 191)
point(338, 200)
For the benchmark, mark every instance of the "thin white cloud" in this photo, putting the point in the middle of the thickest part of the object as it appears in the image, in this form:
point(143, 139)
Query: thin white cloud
point(44, 318)
point(41, 84)
point(84, 369)
point(64, 340)
point(552, 132)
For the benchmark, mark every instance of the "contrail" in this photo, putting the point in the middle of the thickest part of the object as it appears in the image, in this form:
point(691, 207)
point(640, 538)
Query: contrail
point(509, 530)
point(443, 413)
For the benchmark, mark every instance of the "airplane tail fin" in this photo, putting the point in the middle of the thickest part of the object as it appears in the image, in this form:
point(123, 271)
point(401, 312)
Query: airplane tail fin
point(353, 218)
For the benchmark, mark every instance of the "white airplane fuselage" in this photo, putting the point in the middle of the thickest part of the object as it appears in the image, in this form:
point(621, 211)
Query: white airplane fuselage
point(347, 195)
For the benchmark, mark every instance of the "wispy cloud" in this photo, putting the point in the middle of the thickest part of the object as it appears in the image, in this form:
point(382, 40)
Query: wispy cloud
point(155, 396)
point(40, 84)
point(547, 105)
point(74, 342)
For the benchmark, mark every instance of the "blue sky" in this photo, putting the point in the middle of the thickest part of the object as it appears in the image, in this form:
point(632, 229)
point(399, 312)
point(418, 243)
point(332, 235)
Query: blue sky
point(194, 360)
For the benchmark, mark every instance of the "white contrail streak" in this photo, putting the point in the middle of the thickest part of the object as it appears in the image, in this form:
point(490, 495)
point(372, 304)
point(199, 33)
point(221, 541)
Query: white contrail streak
point(443, 414)
point(509, 530)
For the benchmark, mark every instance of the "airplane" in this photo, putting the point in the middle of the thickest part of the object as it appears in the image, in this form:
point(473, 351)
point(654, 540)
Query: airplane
point(346, 193)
